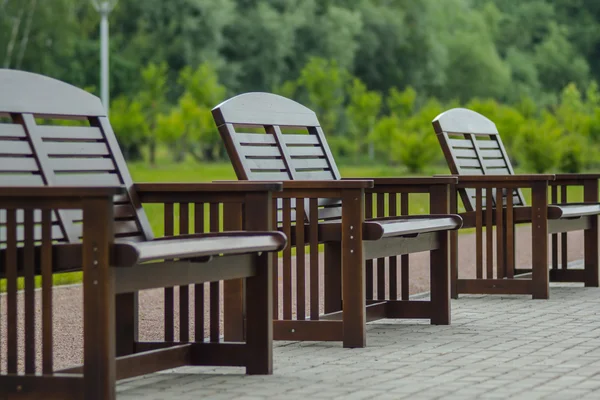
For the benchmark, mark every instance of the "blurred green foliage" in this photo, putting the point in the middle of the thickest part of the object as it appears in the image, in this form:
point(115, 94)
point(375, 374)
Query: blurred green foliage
point(375, 71)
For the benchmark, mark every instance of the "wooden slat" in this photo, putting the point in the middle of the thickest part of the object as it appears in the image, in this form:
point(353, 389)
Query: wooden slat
point(287, 262)
point(487, 144)
point(275, 259)
point(46, 266)
point(554, 250)
point(510, 240)
point(309, 163)
point(369, 263)
point(269, 176)
point(76, 149)
point(29, 262)
point(87, 179)
point(381, 261)
point(494, 163)
point(11, 289)
point(184, 291)
point(460, 144)
point(199, 287)
point(69, 132)
point(300, 260)
point(169, 221)
point(254, 138)
point(21, 180)
point(291, 139)
point(468, 162)
point(265, 164)
point(500, 273)
point(393, 261)
point(563, 236)
point(491, 153)
point(90, 164)
point(404, 260)
point(465, 153)
point(305, 151)
point(498, 171)
point(12, 130)
point(215, 287)
point(314, 175)
point(260, 151)
point(489, 231)
point(15, 147)
point(314, 261)
point(479, 233)
point(18, 164)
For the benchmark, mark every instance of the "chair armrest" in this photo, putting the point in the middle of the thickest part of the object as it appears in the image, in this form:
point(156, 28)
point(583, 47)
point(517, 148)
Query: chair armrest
point(341, 184)
point(504, 178)
point(414, 181)
point(61, 191)
point(561, 177)
point(209, 187)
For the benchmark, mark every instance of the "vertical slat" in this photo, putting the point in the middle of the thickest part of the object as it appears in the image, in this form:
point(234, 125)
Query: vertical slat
point(404, 260)
point(381, 261)
point(233, 289)
point(169, 293)
point(184, 291)
point(489, 232)
point(453, 203)
point(369, 263)
point(510, 238)
point(300, 270)
point(563, 236)
point(314, 260)
point(590, 236)
point(46, 264)
point(500, 233)
point(554, 200)
point(393, 261)
point(479, 232)
point(215, 312)
point(287, 261)
point(275, 260)
point(11, 289)
point(29, 292)
point(539, 240)
point(199, 287)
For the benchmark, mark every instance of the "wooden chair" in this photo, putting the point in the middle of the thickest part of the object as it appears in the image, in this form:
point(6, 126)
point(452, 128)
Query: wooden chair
point(317, 207)
point(475, 153)
point(75, 230)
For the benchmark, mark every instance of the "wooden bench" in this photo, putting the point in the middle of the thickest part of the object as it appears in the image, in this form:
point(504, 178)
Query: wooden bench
point(317, 207)
point(475, 153)
point(68, 203)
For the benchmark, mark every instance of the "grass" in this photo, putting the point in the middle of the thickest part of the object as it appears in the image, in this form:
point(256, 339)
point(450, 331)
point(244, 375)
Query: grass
point(194, 172)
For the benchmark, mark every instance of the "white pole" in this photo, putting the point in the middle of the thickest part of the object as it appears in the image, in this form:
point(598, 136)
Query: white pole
point(104, 85)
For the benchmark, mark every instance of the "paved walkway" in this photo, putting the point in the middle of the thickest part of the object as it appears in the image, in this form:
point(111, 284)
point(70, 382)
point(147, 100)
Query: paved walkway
point(497, 347)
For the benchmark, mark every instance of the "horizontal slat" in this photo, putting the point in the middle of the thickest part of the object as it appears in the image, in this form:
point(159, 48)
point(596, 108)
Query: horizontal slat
point(300, 139)
point(305, 151)
point(124, 211)
point(69, 132)
point(498, 171)
point(487, 144)
point(494, 163)
point(18, 164)
point(468, 162)
point(330, 212)
point(470, 171)
point(76, 148)
point(491, 153)
point(461, 144)
point(15, 147)
point(87, 179)
point(90, 164)
point(265, 163)
point(314, 175)
point(12, 130)
point(21, 180)
point(254, 138)
point(312, 163)
point(465, 153)
point(260, 151)
point(269, 176)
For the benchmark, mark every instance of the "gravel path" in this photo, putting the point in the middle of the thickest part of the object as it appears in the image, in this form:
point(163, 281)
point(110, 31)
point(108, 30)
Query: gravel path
point(68, 300)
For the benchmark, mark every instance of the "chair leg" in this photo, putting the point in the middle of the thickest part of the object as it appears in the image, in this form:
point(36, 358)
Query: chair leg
point(454, 264)
point(440, 282)
point(126, 315)
point(259, 311)
point(333, 277)
point(591, 253)
point(539, 241)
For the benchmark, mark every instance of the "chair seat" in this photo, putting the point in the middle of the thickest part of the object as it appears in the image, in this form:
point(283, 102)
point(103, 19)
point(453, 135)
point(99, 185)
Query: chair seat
point(196, 246)
point(576, 210)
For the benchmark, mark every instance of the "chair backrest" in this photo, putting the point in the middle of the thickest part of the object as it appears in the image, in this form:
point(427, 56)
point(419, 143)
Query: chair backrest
point(472, 146)
point(54, 134)
point(289, 144)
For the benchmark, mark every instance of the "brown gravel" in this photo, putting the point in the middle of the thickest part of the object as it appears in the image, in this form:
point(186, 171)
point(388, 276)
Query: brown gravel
point(68, 301)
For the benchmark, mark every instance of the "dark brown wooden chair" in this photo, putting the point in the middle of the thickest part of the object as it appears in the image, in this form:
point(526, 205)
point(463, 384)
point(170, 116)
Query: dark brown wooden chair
point(111, 241)
point(475, 153)
point(317, 207)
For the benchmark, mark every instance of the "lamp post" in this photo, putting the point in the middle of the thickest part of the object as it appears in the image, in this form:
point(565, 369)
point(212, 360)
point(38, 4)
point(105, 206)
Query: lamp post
point(104, 7)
